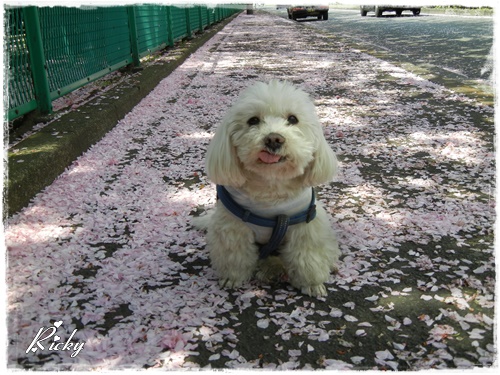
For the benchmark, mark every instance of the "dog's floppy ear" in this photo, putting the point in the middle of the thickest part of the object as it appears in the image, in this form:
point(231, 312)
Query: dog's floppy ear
point(222, 163)
point(323, 168)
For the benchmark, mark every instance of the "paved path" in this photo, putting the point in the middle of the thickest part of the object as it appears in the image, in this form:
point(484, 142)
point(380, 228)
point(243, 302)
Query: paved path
point(107, 252)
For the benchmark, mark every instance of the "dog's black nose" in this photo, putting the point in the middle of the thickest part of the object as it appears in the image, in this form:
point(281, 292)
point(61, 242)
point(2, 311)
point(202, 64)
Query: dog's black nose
point(274, 141)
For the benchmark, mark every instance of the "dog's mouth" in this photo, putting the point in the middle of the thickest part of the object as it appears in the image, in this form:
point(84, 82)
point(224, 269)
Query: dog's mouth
point(270, 158)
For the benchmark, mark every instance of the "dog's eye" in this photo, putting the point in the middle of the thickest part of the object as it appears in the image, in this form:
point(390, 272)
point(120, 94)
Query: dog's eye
point(292, 120)
point(253, 121)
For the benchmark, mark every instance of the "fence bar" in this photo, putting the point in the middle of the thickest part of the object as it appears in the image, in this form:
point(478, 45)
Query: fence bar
point(37, 59)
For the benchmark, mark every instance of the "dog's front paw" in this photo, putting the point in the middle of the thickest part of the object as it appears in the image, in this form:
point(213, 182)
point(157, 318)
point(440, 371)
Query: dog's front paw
point(230, 283)
point(315, 290)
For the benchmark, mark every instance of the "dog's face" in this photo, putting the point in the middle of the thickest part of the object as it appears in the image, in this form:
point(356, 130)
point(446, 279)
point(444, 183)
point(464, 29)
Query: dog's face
point(273, 132)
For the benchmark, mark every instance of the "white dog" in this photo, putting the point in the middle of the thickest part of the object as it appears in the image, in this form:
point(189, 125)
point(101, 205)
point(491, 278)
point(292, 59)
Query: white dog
point(266, 155)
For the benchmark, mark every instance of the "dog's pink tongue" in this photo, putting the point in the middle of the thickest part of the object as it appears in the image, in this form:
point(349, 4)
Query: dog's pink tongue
point(268, 158)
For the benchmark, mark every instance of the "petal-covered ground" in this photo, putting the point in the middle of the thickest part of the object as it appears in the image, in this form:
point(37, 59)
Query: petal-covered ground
point(107, 256)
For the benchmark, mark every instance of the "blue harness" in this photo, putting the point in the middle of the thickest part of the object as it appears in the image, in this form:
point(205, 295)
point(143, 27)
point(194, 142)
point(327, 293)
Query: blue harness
point(279, 224)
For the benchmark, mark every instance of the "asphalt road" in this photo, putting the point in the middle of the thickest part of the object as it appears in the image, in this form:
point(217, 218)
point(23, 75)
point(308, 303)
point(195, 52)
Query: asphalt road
point(440, 47)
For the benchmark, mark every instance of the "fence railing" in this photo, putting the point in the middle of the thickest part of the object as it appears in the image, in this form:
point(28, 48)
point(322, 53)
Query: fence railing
point(51, 51)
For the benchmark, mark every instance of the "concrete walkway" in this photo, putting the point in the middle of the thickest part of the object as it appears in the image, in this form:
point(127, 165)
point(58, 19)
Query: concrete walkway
point(106, 263)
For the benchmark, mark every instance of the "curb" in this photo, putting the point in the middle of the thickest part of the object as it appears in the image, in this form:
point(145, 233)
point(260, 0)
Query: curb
point(38, 160)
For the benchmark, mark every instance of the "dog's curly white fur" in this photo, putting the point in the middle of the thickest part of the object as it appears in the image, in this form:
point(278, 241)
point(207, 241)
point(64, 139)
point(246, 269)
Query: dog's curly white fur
point(270, 149)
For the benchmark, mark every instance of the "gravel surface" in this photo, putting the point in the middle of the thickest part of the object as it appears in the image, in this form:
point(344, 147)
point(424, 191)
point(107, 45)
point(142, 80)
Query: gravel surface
point(107, 256)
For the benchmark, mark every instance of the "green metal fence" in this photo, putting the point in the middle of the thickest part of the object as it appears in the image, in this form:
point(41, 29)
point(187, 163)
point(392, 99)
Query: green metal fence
point(51, 51)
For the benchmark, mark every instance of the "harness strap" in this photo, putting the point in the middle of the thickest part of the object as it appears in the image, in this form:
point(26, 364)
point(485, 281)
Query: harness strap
point(279, 231)
point(279, 224)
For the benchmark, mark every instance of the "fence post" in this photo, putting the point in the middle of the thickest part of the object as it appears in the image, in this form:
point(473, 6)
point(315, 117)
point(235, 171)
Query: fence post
point(170, 26)
point(37, 59)
point(200, 17)
point(134, 41)
point(188, 23)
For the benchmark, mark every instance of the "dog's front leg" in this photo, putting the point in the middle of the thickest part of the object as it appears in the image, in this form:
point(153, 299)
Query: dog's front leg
point(233, 252)
point(309, 278)
point(309, 255)
point(307, 269)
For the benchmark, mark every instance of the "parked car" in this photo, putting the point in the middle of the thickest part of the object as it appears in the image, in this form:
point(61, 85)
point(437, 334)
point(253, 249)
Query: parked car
point(304, 11)
point(379, 9)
